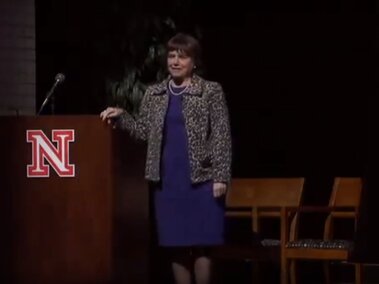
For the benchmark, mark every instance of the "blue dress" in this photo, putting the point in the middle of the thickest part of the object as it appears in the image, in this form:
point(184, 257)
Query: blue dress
point(186, 214)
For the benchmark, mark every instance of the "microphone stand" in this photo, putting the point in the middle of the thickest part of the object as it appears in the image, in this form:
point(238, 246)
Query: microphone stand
point(48, 97)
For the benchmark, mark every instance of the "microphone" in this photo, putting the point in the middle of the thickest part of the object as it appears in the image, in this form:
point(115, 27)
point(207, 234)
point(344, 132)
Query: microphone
point(59, 78)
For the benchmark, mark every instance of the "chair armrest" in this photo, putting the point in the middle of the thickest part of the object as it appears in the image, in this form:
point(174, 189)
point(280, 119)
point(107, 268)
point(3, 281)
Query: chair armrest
point(333, 211)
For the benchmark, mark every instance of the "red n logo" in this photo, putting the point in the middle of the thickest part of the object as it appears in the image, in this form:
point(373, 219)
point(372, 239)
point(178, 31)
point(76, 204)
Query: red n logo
point(44, 150)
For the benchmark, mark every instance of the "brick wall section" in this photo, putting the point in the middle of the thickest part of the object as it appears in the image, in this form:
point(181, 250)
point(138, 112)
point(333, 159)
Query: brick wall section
point(17, 57)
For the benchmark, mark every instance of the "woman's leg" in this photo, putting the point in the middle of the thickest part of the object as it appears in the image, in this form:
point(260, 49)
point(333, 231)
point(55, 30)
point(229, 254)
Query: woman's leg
point(181, 263)
point(182, 273)
point(203, 270)
point(202, 265)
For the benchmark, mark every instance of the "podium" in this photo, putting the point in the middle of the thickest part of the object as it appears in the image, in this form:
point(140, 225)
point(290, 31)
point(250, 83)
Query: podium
point(73, 202)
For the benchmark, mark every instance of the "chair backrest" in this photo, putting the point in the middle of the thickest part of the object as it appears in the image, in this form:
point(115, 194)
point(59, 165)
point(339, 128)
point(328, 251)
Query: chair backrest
point(263, 197)
point(346, 191)
point(265, 192)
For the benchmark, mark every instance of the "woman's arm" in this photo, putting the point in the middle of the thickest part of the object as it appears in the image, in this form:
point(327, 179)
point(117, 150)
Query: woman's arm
point(221, 145)
point(139, 126)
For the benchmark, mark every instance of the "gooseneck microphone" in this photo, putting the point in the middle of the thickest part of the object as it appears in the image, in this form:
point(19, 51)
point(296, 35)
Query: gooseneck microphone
point(59, 78)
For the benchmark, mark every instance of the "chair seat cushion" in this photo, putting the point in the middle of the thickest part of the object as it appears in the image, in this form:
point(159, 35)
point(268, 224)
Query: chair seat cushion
point(270, 242)
point(320, 244)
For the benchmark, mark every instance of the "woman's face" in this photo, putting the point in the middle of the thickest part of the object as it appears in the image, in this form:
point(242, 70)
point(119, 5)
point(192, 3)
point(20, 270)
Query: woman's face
point(179, 64)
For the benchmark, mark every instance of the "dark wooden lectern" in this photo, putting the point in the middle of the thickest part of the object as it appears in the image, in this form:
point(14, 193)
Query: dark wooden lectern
point(85, 229)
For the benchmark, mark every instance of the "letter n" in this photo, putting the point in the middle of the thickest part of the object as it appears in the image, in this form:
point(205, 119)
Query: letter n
point(43, 150)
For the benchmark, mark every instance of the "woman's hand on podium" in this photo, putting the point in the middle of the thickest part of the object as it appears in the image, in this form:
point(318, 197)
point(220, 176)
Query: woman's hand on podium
point(110, 114)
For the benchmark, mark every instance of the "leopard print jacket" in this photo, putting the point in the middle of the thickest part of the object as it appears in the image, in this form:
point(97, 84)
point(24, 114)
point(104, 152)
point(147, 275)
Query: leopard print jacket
point(206, 119)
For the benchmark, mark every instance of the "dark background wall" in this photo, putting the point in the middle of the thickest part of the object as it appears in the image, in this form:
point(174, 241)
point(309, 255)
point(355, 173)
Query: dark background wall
point(297, 75)
point(17, 57)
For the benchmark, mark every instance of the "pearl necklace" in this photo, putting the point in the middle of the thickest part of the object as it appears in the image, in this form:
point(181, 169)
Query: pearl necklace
point(176, 93)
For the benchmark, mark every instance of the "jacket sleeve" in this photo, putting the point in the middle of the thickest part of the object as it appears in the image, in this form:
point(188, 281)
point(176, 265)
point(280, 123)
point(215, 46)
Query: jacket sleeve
point(220, 136)
point(138, 127)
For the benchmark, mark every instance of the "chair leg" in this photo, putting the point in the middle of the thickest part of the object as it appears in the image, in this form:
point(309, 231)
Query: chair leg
point(293, 272)
point(327, 272)
point(284, 271)
point(255, 272)
point(358, 273)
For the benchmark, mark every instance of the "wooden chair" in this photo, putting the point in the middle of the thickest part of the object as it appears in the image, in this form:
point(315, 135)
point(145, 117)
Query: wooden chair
point(344, 203)
point(258, 198)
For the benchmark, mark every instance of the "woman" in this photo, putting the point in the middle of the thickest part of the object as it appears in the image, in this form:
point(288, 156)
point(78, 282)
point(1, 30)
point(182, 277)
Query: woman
point(185, 121)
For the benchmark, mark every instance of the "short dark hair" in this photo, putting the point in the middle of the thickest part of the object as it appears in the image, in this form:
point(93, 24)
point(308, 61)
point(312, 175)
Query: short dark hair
point(187, 44)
